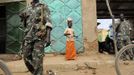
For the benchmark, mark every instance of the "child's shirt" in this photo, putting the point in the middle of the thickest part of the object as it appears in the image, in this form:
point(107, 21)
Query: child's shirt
point(71, 32)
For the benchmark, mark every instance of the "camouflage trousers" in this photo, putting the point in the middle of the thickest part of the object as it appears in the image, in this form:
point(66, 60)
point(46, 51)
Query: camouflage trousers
point(129, 53)
point(121, 42)
point(33, 57)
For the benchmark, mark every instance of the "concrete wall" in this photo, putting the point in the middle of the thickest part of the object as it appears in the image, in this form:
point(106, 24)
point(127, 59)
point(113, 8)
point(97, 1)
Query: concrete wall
point(89, 25)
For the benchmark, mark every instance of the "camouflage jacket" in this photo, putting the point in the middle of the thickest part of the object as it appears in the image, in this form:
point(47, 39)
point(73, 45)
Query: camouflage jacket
point(33, 20)
point(123, 28)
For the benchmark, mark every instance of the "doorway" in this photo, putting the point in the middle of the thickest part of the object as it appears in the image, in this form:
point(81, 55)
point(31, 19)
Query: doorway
point(2, 29)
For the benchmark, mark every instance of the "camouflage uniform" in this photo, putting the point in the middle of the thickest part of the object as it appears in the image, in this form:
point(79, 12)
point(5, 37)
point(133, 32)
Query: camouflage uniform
point(123, 33)
point(33, 45)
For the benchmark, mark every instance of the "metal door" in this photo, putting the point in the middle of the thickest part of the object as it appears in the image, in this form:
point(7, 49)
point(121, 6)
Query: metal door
point(60, 11)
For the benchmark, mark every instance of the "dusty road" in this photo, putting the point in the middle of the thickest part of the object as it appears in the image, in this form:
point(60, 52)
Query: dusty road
point(95, 64)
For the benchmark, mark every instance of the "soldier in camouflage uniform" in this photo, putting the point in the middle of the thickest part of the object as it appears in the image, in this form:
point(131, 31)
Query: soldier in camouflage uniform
point(36, 19)
point(123, 29)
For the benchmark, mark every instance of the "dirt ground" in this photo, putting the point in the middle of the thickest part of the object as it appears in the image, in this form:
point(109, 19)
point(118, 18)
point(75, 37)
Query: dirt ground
point(94, 64)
